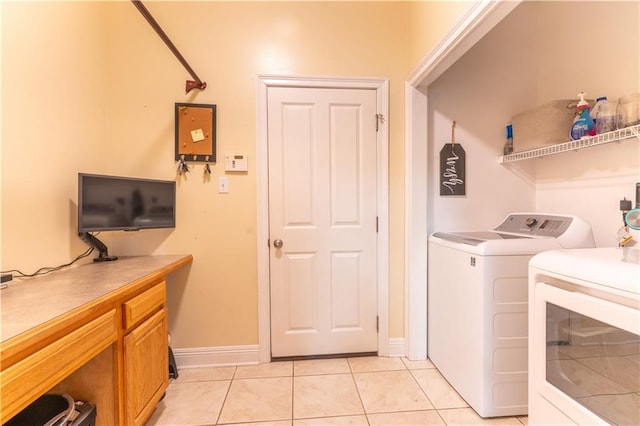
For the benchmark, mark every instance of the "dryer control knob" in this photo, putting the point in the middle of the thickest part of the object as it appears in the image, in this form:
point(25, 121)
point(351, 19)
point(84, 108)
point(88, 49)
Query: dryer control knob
point(530, 221)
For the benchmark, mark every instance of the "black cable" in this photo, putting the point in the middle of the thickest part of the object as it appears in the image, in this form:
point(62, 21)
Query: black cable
point(47, 269)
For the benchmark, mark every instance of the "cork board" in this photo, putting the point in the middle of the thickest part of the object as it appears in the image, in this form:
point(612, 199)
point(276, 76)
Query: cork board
point(195, 132)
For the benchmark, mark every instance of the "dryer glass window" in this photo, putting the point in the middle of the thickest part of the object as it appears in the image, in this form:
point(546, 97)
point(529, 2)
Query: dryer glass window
point(595, 364)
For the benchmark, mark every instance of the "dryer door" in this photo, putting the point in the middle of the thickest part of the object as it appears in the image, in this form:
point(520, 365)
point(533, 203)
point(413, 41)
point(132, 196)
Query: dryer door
point(585, 355)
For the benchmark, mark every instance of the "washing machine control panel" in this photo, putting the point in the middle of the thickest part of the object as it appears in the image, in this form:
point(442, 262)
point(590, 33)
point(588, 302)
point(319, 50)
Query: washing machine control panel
point(535, 224)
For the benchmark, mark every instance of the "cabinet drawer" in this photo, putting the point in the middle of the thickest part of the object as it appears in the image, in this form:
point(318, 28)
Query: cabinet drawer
point(141, 306)
point(24, 381)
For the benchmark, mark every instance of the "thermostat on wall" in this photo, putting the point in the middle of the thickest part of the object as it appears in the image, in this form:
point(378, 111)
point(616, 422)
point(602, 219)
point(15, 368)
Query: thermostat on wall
point(235, 163)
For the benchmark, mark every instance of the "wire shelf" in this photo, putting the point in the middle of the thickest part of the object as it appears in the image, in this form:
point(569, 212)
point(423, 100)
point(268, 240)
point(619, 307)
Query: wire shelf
point(601, 139)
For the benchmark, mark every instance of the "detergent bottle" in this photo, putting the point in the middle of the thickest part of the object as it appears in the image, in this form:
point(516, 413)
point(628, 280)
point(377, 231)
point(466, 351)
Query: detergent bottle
point(583, 125)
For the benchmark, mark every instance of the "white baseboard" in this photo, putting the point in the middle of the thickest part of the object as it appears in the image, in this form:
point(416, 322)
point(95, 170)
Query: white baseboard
point(397, 347)
point(222, 356)
point(219, 356)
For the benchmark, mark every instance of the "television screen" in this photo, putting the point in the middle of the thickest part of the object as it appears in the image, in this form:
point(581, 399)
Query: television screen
point(111, 203)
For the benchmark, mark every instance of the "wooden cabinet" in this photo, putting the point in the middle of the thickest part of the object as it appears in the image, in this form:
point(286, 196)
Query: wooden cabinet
point(26, 380)
point(146, 372)
point(100, 335)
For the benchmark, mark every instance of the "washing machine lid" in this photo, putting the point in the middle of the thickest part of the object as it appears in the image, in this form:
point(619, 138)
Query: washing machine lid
point(475, 238)
point(522, 234)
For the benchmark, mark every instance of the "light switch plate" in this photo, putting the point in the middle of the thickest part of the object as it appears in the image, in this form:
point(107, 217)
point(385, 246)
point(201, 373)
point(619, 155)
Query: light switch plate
point(223, 185)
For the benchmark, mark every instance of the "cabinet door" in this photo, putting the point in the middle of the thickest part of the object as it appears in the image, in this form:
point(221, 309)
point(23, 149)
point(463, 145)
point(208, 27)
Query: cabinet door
point(146, 367)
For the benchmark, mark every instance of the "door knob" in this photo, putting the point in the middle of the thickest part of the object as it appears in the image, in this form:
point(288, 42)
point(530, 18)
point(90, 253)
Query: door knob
point(277, 243)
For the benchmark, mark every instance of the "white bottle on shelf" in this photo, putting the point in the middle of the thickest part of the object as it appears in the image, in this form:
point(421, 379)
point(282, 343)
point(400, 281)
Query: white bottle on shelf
point(594, 110)
point(604, 115)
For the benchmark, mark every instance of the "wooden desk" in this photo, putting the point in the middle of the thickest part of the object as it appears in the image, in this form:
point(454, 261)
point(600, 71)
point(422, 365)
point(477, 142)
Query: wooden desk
point(97, 332)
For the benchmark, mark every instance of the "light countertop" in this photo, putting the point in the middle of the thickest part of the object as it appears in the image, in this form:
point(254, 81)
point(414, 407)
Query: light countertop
point(30, 302)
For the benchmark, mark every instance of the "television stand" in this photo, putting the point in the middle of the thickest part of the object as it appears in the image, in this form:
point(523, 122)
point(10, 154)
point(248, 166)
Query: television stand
point(103, 251)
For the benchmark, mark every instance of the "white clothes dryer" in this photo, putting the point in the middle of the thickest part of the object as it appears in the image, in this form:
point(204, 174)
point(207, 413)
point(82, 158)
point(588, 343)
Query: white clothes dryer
point(584, 337)
point(477, 305)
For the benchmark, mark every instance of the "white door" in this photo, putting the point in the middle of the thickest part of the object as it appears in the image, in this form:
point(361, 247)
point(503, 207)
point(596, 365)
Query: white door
point(322, 210)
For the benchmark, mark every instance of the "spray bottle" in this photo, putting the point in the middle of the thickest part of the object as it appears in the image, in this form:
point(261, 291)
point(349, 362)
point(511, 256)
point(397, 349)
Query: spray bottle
point(583, 124)
point(508, 144)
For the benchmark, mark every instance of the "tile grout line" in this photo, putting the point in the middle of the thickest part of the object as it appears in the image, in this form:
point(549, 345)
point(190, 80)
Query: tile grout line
point(355, 383)
point(226, 395)
point(425, 393)
point(293, 390)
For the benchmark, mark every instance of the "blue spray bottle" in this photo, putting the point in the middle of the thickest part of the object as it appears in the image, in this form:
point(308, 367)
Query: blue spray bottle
point(583, 125)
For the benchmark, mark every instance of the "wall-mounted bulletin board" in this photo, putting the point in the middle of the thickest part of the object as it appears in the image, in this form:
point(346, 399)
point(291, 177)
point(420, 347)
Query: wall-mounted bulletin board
point(195, 132)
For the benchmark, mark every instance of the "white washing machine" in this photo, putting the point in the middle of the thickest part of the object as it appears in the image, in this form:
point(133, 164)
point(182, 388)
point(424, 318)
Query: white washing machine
point(477, 305)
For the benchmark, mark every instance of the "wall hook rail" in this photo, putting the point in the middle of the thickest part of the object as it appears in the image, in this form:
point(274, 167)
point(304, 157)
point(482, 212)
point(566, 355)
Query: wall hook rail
point(197, 84)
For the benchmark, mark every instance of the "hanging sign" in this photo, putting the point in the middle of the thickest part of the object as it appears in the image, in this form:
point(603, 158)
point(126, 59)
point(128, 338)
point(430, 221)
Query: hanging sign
point(452, 167)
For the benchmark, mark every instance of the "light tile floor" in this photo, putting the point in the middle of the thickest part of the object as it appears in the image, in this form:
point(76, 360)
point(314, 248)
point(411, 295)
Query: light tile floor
point(346, 391)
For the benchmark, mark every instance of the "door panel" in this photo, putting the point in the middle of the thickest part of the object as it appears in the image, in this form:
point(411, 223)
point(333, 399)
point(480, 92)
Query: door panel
point(345, 271)
point(345, 175)
point(300, 285)
point(296, 169)
point(322, 205)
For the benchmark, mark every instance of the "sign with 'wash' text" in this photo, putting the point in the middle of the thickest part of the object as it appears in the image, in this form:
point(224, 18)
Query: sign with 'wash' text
point(452, 165)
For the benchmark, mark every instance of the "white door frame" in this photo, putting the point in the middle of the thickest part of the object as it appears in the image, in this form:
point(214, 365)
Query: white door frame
point(479, 19)
point(382, 143)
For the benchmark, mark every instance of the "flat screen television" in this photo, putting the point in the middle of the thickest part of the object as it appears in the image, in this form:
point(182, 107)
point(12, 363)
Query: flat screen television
point(117, 203)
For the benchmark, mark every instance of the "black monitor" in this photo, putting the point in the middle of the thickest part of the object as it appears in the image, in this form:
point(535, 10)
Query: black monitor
point(117, 203)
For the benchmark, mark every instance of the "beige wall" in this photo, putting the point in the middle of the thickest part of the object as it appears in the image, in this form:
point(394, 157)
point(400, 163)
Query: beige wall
point(429, 21)
point(608, 173)
point(89, 87)
point(54, 122)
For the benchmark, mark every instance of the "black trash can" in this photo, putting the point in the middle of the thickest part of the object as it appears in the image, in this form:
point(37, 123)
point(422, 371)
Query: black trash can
point(56, 410)
point(173, 367)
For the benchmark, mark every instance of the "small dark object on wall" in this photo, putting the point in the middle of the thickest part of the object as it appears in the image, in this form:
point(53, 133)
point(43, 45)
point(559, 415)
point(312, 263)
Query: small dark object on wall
point(452, 170)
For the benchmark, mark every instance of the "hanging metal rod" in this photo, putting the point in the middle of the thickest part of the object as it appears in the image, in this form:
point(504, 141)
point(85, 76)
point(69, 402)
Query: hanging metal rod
point(197, 84)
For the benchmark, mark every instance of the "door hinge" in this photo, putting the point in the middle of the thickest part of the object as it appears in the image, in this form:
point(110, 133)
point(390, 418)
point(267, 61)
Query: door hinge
point(379, 119)
point(377, 224)
point(377, 324)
